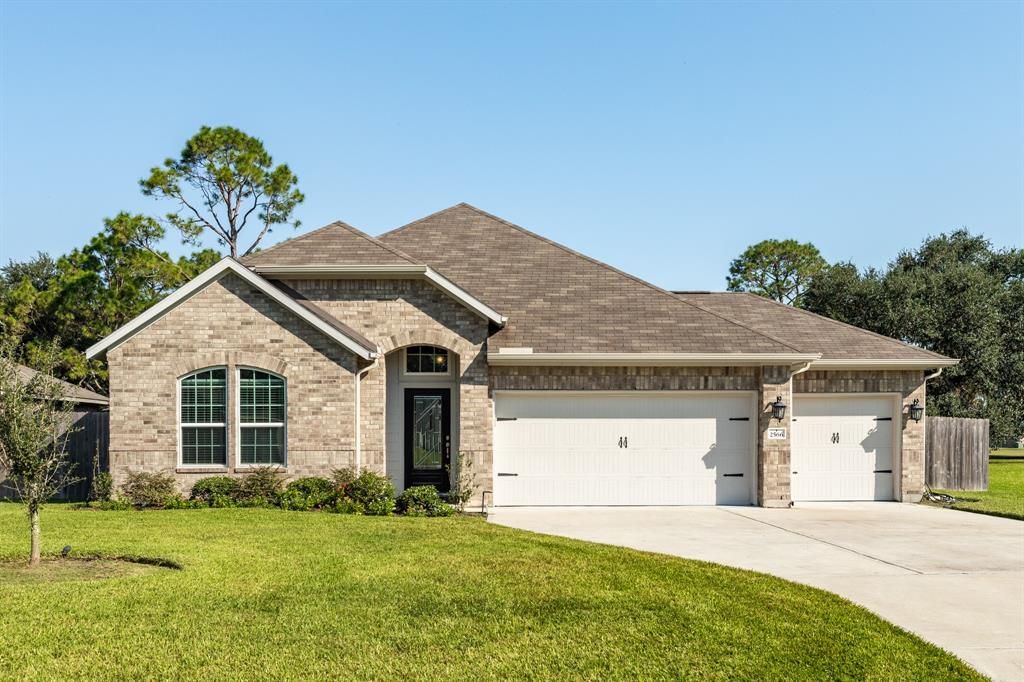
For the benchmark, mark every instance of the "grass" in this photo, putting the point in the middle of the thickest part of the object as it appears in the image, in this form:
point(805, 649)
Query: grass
point(56, 570)
point(293, 595)
point(1005, 494)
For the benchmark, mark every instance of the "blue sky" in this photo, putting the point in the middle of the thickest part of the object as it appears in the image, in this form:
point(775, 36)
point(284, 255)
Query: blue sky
point(661, 138)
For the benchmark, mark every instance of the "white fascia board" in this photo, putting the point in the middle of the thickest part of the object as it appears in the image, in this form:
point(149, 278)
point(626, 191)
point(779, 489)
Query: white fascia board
point(212, 274)
point(648, 359)
point(387, 272)
point(891, 364)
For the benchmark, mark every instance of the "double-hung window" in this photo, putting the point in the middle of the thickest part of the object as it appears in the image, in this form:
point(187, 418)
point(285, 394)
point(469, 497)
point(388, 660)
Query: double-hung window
point(203, 418)
point(261, 417)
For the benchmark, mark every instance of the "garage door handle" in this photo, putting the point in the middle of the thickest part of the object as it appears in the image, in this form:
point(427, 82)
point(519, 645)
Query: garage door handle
point(501, 473)
point(883, 419)
point(731, 475)
point(507, 419)
point(883, 471)
point(739, 419)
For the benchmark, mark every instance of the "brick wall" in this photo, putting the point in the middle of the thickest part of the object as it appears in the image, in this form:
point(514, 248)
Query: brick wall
point(229, 323)
point(397, 313)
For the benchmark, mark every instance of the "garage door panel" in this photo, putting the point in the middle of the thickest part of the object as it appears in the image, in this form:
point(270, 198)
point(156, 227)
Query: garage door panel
point(623, 450)
point(842, 448)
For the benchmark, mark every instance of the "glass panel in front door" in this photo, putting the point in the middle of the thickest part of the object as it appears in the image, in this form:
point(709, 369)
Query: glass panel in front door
point(427, 432)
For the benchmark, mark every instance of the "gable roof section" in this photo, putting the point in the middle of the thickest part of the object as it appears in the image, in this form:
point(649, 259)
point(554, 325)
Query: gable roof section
point(336, 330)
point(840, 344)
point(334, 244)
point(559, 301)
point(340, 250)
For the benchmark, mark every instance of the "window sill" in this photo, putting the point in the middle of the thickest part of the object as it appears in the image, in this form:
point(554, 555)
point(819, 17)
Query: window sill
point(202, 470)
point(249, 468)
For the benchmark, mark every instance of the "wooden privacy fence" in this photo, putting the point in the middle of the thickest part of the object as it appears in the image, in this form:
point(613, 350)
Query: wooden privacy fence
point(956, 453)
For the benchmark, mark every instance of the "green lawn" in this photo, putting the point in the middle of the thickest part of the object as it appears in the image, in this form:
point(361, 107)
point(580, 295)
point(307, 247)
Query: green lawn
point(1005, 494)
point(276, 594)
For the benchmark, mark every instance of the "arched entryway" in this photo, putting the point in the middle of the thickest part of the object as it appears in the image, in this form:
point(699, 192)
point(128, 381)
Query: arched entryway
point(422, 415)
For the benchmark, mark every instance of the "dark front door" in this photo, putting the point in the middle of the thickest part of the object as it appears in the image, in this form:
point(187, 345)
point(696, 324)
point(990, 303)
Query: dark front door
point(427, 437)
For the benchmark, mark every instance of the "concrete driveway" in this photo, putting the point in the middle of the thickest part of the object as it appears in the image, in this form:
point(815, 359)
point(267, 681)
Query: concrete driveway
point(954, 578)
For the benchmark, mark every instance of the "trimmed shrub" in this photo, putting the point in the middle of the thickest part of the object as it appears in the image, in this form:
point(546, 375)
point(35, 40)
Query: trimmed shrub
point(311, 492)
point(372, 492)
point(342, 478)
point(178, 502)
point(115, 504)
point(144, 489)
point(216, 488)
point(423, 500)
point(347, 506)
point(260, 487)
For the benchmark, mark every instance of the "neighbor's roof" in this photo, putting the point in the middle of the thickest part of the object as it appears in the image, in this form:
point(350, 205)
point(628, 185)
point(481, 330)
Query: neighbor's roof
point(806, 330)
point(74, 394)
point(558, 300)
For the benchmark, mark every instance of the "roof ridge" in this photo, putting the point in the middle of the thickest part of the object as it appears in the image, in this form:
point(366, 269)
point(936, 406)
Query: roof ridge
point(845, 324)
point(428, 217)
point(376, 242)
point(611, 268)
point(290, 240)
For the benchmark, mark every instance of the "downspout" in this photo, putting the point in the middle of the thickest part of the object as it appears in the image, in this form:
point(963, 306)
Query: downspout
point(359, 448)
point(933, 374)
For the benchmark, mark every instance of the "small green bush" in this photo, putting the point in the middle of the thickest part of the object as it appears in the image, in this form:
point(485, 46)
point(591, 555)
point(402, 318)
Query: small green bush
point(102, 487)
point(423, 500)
point(144, 489)
point(372, 492)
point(178, 502)
point(347, 506)
point(260, 486)
point(115, 504)
point(312, 492)
point(342, 478)
point(216, 488)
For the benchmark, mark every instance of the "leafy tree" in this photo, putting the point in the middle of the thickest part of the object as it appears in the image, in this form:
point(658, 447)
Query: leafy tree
point(221, 179)
point(91, 292)
point(776, 269)
point(954, 295)
point(35, 423)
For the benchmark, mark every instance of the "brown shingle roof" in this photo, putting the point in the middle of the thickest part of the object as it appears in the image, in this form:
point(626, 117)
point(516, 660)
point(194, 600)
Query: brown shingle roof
point(808, 331)
point(334, 244)
point(74, 394)
point(558, 300)
point(324, 315)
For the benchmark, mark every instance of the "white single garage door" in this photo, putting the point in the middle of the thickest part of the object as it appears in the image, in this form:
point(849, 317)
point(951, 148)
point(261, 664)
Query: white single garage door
point(843, 448)
point(616, 449)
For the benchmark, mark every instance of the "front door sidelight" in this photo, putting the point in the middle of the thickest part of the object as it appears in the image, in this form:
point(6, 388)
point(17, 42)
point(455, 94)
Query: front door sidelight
point(428, 437)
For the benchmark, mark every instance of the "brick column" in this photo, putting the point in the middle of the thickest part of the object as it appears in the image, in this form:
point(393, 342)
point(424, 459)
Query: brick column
point(773, 455)
point(912, 460)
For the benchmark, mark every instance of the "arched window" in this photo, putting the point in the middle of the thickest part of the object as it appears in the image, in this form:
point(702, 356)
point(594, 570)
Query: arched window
point(261, 418)
point(204, 418)
point(426, 360)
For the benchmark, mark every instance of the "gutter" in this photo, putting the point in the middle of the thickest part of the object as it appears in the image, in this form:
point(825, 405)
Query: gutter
point(358, 444)
point(520, 357)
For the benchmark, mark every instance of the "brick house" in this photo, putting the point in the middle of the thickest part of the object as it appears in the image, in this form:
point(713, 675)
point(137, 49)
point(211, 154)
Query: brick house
point(561, 380)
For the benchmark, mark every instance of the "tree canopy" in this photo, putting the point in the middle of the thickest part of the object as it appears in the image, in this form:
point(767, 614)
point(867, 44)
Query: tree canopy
point(954, 295)
point(85, 295)
point(776, 269)
point(222, 179)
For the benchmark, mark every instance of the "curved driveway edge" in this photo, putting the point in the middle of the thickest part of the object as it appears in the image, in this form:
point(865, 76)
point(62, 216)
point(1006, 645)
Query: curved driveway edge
point(953, 578)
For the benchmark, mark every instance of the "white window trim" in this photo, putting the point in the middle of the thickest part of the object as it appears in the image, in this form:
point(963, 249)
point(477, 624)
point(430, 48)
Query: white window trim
point(223, 425)
point(405, 362)
point(249, 425)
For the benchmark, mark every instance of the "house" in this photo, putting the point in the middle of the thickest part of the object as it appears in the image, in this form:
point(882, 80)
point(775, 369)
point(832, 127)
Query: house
point(561, 380)
point(87, 441)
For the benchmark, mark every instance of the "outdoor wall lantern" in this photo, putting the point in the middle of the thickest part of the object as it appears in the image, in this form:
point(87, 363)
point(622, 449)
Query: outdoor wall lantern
point(916, 410)
point(778, 408)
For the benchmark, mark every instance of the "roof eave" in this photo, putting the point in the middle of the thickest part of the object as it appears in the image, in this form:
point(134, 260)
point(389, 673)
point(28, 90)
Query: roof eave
point(883, 364)
point(387, 272)
point(208, 276)
point(648, 359)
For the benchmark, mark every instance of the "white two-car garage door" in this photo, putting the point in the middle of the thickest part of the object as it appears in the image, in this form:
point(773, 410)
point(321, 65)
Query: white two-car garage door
point(623, 449)
point(843, 448)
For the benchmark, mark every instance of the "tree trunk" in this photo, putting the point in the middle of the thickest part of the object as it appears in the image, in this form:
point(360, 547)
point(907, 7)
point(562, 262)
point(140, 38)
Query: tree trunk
point(33, 516)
